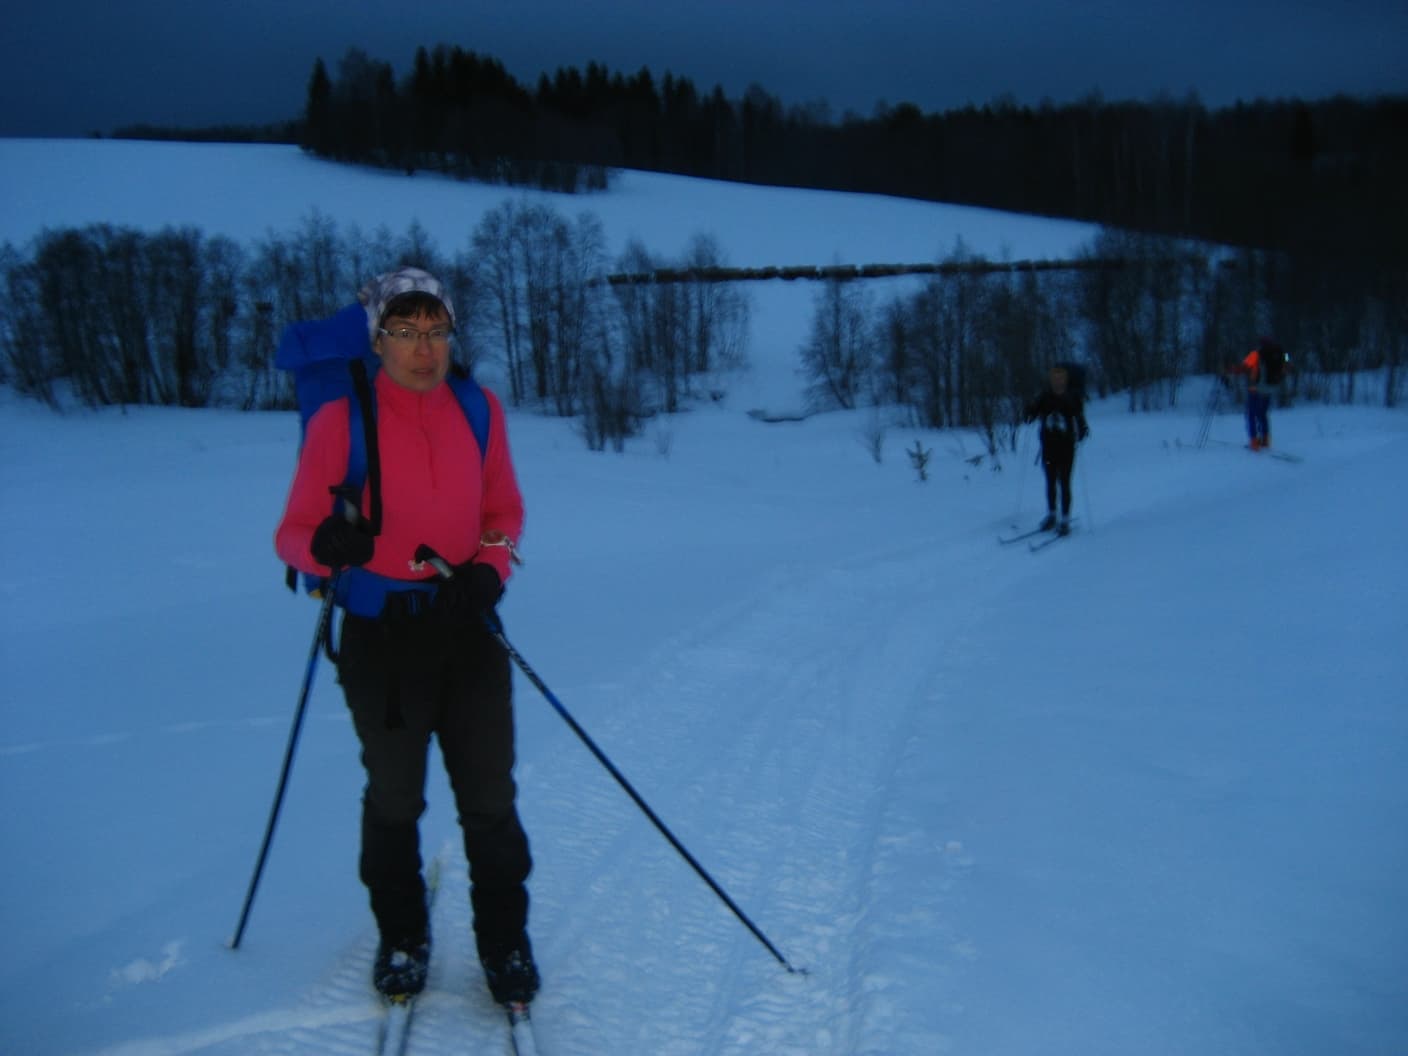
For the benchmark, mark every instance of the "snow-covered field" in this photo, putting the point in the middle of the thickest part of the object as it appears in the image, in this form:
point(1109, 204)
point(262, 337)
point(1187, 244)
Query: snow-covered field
point(1141, 793)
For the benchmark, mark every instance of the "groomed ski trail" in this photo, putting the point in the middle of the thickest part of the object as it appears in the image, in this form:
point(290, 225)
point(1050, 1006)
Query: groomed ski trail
point(834, 715)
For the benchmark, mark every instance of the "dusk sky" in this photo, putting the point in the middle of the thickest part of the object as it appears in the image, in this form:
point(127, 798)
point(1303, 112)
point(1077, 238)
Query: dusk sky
point(76, 66)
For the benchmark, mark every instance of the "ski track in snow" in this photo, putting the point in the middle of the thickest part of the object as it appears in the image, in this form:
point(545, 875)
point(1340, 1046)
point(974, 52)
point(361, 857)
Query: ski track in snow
point(833, 681)
point(793, 813)
point(811, 870)
point(107, 740)
point(836, 714)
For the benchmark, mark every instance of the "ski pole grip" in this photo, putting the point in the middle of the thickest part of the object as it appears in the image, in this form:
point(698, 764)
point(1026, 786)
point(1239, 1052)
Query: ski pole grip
point(348, 498)
point(426, 555)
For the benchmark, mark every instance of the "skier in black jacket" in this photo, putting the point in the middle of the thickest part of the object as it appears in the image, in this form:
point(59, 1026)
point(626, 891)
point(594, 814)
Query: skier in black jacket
point(1062, 413)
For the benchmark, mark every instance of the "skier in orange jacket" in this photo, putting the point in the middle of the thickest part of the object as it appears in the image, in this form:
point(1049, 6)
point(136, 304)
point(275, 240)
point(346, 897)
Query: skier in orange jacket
point(1265, 367)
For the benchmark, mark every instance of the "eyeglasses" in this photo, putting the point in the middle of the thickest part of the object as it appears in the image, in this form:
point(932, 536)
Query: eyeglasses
point(409, 337)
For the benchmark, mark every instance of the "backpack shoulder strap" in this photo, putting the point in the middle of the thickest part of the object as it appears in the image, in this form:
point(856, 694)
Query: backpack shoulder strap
point(475, 406)
point(363, 451)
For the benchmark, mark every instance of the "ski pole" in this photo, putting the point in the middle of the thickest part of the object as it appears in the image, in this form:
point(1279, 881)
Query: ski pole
point(1085, 493)
point(1209, 409)
point(495, 626)
point(1021, 477)
point(324, 620)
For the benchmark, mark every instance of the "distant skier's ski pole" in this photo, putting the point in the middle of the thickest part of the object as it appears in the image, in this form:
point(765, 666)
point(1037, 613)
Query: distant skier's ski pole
point(1209, 409)
point(491, 620)
point(1085, 497)
point(319, 636)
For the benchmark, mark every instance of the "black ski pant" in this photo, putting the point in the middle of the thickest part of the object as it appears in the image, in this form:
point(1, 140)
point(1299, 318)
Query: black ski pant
point(1058, 459)
point(406, 679)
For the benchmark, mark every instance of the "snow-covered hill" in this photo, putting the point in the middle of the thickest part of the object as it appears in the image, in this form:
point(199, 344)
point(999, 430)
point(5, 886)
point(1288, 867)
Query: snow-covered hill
point(1141, 793)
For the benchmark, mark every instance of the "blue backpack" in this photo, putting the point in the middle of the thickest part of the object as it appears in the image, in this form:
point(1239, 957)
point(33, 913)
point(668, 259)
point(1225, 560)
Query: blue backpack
point(331, 359)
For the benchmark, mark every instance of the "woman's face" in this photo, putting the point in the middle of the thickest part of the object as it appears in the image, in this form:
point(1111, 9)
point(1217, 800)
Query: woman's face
point(415, 352)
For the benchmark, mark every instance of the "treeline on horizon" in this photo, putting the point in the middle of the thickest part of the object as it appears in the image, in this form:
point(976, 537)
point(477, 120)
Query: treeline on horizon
point(1323, 177)
point(1326, 177)
point(177, 317)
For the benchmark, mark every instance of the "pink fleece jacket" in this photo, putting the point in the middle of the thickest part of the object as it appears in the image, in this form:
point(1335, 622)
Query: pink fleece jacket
point(435, 489)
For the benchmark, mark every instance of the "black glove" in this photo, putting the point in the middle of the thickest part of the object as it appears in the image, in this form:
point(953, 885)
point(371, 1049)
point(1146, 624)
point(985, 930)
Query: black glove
point(338, 543)
point(1084, 432)
point(474, 588)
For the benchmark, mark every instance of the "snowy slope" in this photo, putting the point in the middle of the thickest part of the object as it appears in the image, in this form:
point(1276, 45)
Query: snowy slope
point(1140, 793)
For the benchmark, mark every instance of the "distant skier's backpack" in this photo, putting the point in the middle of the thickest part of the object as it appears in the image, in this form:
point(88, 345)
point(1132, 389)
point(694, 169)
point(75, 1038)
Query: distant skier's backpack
point(1075, 379)
point(1272, 360)
point(332, 359)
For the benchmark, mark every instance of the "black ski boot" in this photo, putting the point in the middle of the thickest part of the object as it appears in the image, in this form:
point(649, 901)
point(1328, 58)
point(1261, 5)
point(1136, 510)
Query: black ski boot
point(1047, 523)
point(401, 966)
point(512, 976)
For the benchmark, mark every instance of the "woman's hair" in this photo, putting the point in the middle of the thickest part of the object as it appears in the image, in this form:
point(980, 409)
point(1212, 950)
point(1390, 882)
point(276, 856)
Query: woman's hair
point(412, 304)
